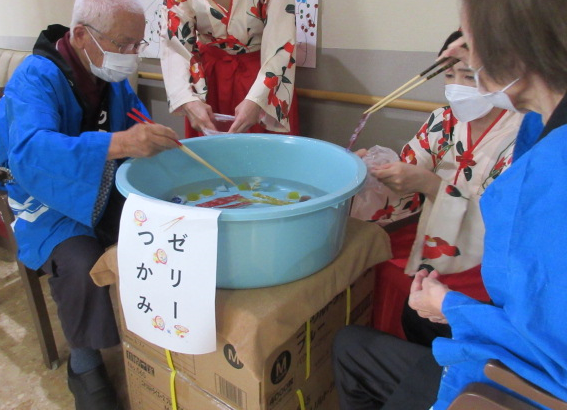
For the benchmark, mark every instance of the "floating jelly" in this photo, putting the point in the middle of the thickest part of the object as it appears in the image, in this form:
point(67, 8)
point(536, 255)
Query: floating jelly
point(250, 191)
point(293, 195)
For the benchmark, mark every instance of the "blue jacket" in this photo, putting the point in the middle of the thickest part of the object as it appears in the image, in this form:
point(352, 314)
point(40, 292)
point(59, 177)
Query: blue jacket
point(528, 134)
point(524, 271)
point(56, 167)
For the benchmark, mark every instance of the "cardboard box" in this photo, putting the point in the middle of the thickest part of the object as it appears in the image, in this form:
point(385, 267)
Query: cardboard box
point(300, 363)
point(262, 356)
point(149, 387)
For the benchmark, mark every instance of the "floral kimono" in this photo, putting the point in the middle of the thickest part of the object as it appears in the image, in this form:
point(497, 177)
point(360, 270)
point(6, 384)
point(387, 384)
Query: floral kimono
point(450, 231)
point(223, 56)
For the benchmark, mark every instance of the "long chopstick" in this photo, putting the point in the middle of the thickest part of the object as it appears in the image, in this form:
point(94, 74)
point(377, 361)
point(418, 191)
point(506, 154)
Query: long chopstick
point(143, 119)
point(417, 77)
point(407, 87)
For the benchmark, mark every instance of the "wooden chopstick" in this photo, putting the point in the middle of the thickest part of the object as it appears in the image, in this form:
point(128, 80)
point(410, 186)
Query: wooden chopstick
point(143, 119)
point(397, 93)
point(205, 163)
point(417, 77)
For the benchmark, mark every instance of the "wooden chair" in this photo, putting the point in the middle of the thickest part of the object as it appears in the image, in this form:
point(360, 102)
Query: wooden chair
point(34, 294)
point(482, 396)
point(9, 60)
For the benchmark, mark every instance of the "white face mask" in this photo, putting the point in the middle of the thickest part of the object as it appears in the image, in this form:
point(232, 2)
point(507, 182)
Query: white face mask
point(466, 102)
point(498, 98)
point(115, 66)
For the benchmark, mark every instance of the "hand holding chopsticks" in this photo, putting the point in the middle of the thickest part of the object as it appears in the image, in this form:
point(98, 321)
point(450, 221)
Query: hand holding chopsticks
point(141, 140)
point(138, 116)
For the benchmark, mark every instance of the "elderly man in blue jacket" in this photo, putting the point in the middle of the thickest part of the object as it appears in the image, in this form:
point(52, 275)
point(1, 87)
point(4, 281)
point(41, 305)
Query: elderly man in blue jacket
point(63, 130)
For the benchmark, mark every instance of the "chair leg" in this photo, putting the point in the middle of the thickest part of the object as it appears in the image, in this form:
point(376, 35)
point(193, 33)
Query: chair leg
point(34, 294)
point(38, 309)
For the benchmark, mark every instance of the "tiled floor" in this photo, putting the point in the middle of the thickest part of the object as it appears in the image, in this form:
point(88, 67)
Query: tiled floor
point(25, 383)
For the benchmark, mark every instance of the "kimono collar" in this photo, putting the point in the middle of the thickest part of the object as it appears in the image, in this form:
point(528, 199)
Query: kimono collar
point(557, 119)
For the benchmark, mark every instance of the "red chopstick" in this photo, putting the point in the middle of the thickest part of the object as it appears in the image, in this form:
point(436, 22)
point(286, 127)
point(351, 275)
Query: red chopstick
point(141, 115)
point(129, 114)
point(142, 119)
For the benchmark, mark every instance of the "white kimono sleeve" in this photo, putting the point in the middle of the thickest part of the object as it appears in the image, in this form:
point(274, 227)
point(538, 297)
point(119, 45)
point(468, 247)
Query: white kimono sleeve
point(273, 88)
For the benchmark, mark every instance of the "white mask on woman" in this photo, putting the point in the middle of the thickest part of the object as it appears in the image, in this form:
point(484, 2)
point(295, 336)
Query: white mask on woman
point(466, 102)
point(115, 66)
point(498, 98)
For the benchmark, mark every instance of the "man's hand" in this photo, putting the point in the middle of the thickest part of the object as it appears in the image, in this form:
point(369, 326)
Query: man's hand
point(427, 295)
point(200, 115)
point(247, 114)
point(141, 140)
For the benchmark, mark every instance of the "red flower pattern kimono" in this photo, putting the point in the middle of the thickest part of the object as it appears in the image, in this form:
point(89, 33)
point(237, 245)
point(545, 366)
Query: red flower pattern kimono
point(265, 26)
point(450, 231)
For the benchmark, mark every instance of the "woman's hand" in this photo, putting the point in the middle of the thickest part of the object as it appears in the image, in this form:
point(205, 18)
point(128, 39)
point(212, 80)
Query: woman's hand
point(457, 49)
point(403, 178)
point(247, 114)
point(361, 152)
point(200, 115)
point(427, 295)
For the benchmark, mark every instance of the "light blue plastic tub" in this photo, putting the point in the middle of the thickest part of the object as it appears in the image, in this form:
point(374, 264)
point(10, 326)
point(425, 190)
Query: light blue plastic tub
point(264, 246)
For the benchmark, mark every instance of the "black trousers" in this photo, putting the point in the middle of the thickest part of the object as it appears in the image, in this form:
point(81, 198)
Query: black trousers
point(375, 370)
point(422, 331)
point(84, 309)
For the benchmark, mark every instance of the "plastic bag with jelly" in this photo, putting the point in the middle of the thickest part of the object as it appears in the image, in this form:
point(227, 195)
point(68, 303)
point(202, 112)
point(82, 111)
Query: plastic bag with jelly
point(375, 196)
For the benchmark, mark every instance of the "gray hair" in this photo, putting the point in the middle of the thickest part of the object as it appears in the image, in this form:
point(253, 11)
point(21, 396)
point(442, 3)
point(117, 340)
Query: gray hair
point(101, 13)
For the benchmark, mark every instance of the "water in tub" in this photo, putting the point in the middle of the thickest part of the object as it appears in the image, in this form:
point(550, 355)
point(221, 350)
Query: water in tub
point(257, 192)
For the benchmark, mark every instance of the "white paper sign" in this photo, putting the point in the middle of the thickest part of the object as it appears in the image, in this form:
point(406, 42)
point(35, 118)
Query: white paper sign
point(167, 259)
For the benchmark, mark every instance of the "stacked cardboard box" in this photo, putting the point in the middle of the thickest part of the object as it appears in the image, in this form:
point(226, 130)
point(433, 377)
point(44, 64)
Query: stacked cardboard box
point(273, 344)
point(299, 363)
point(149, 386)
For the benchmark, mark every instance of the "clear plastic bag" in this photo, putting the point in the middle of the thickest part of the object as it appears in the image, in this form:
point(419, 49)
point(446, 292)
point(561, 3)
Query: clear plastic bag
point(222, 124)
point(374, 195)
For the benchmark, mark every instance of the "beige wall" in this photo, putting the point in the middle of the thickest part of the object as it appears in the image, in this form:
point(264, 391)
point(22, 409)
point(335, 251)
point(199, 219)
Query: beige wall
point(27, 18)
point(403, 25)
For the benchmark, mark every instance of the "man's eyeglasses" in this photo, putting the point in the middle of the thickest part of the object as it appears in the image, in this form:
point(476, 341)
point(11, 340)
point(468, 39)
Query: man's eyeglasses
point(123, 48)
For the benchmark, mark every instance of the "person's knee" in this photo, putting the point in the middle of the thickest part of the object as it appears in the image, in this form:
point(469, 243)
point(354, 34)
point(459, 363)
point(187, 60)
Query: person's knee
point(342, 340)
point(347, 339)
point(76, 256)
